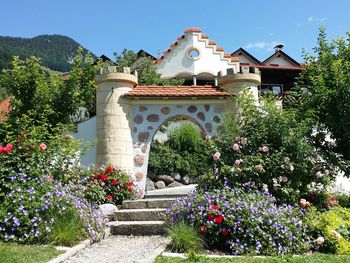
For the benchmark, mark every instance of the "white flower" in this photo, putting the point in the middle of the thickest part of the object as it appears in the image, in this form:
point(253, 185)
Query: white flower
point(319, 240)
point(319, 174)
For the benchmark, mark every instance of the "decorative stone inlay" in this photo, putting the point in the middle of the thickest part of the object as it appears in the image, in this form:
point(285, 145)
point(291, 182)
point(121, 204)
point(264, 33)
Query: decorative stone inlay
point(206, 107)
point(142, 108)
point(192, 109)
point(201, 116)
point(144, 148)
point(219, 108)
point(208, 127)
point(138, 119)
point(143, 136)
point(165, 110)
point(150, 128)
point(216, 119)
point(135, 129)
point(139, 176)
point(139, 160)
point(153, 117)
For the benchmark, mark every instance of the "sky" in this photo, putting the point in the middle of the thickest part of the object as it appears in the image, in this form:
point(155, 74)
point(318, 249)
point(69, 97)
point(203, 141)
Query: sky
point(108, 26)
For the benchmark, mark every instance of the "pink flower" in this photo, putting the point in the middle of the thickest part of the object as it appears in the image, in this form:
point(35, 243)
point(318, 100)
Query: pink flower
point(244, 141)
point(265, 149)
point(286, 159)
point(216, 156)
point(235, 147)
point(304, 203)
point(237, 162)
point(237, 138)
point(42, 147)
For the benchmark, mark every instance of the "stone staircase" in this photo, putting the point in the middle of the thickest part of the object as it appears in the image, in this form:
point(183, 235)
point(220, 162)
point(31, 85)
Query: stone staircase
point(146, 216)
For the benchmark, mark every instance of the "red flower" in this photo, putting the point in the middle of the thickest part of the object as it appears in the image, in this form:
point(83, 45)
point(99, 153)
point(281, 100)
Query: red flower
point(129, 183)
point(42, 147)
point(103, 177)
point(218, 219)
point(114, 182)
point(130, 189)
point(109, 197)
point(210, 217)
point(109, 169)
point(215, 207)
point(5, 150)
point(203, 229)
point(326, 205)
point(224, 232)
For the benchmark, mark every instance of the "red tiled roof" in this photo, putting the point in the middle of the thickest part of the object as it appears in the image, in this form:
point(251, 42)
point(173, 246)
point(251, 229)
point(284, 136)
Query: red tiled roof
point(276, 67)
point(5, 108)
point(177, 91)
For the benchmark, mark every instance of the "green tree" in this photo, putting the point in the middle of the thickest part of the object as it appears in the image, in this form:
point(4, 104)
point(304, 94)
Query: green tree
point(147, 74)
point(327, 77)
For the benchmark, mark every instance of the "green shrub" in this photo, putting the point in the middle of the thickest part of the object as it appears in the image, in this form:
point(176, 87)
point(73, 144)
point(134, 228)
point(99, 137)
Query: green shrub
point(184, 238)
point(343, 200)
point(334, 227)
point(243, 221)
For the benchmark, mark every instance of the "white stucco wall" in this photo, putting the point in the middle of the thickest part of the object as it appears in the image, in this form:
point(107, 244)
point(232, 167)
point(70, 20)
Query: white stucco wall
point(87, 132)
point(281, 61)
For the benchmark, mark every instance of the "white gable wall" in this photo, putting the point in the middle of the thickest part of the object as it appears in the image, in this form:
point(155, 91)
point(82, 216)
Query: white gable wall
point(281, 61)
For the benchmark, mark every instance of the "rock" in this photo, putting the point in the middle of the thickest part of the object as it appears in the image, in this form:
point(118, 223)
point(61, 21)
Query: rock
point(176, 176)
point(175, 184)
point(160, 185)
point(186, 179)
point(108, 210)
point(149, 185)
point(167, 179)
point(151, 175)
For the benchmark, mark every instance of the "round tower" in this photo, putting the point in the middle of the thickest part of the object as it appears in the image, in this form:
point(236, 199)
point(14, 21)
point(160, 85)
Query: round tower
point(247, 79)
point(113, 119)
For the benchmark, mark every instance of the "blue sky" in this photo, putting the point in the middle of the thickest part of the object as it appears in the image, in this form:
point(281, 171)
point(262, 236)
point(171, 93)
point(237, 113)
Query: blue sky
point(106, 26)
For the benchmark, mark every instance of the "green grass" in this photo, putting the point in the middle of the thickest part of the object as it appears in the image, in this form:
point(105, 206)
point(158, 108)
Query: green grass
point(315, 258)
point(14, 253)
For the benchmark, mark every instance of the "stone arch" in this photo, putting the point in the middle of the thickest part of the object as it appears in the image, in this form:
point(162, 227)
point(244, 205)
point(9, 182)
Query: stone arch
point(148, 118)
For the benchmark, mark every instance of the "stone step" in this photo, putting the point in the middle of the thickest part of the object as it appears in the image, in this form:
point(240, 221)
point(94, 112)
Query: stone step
point(137, 228)
point(148, 203)
point(150, 214)
point(174, 192)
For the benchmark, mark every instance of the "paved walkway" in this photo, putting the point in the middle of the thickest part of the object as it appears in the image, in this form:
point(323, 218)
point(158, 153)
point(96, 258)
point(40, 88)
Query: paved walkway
point(123, 249)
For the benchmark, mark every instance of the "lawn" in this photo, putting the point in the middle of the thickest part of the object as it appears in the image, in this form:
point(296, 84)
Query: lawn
point(13, 253)
point(315, 258)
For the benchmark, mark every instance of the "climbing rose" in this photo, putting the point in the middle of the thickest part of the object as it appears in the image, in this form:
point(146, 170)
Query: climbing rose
point(109, 169)
point(265, 149)
point(6, 149)
point(42, 147)
point(235, 147)
point(130, 190)
point(114, 182)
point(129, 183)
point(218, 219)
point(109, 197)
point(103, 177)
point(237, 162)
point(216, 156)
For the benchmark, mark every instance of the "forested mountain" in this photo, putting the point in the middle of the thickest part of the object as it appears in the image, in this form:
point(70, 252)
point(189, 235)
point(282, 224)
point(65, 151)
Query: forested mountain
point(54, 50)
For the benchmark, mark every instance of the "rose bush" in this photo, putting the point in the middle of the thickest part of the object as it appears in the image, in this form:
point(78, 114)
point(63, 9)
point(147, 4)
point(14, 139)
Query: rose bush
point(243, 221)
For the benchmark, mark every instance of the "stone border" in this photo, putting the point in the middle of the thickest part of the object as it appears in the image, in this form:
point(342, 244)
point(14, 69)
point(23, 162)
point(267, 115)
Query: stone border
point(71, 251)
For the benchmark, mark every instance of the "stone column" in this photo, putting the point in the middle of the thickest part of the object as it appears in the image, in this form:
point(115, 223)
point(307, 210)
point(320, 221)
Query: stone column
point(113, 120)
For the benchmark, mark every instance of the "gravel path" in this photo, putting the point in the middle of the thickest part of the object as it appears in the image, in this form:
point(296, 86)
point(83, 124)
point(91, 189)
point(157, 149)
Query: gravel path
point(124, 249)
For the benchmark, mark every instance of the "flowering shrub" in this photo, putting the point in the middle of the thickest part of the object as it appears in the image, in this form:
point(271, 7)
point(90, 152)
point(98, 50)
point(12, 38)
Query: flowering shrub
point(28, 212)
point(321, 200)
point(108, 184)
point(331, 230)
point(243, 221)
point(269, 148)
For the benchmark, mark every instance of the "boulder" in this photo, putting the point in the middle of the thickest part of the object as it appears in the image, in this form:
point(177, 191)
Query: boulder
point(167, 179)
point(160, 185)
point(186, 179)
point(149, 185)
point(151, 175)
point(175, 184)
point(176, 176)
point(108, 210)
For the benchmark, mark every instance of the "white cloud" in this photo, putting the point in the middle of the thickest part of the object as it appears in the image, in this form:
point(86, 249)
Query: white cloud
point(268, 46)
point(316, 19)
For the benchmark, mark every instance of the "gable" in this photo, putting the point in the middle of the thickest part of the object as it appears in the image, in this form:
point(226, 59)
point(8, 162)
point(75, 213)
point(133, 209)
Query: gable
point(281, 59)
point(194, 54)
point(245, 57)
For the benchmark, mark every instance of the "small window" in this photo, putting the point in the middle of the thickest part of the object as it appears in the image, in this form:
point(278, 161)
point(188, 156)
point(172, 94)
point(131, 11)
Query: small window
point(193, 54)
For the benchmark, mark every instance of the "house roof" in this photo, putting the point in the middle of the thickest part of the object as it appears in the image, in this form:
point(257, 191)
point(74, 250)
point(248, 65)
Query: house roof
point(146, 54)
point(281, 53)
point(275, 67)
point(206, 91)
point(250, 56)
point(5, 108)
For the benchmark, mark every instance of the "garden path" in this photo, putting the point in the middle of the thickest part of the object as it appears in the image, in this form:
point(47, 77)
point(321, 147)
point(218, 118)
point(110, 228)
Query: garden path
point(123, 249)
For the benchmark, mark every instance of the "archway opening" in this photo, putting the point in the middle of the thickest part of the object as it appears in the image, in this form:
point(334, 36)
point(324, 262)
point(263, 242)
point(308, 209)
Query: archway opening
point(178, 154)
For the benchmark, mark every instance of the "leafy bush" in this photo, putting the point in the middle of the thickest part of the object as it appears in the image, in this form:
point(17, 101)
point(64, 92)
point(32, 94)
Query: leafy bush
point(184, 238)
point(331, 230)
point(108, 184)
point(343, 200)
point(267, 147)
point(243, 221)
point(185, 152)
